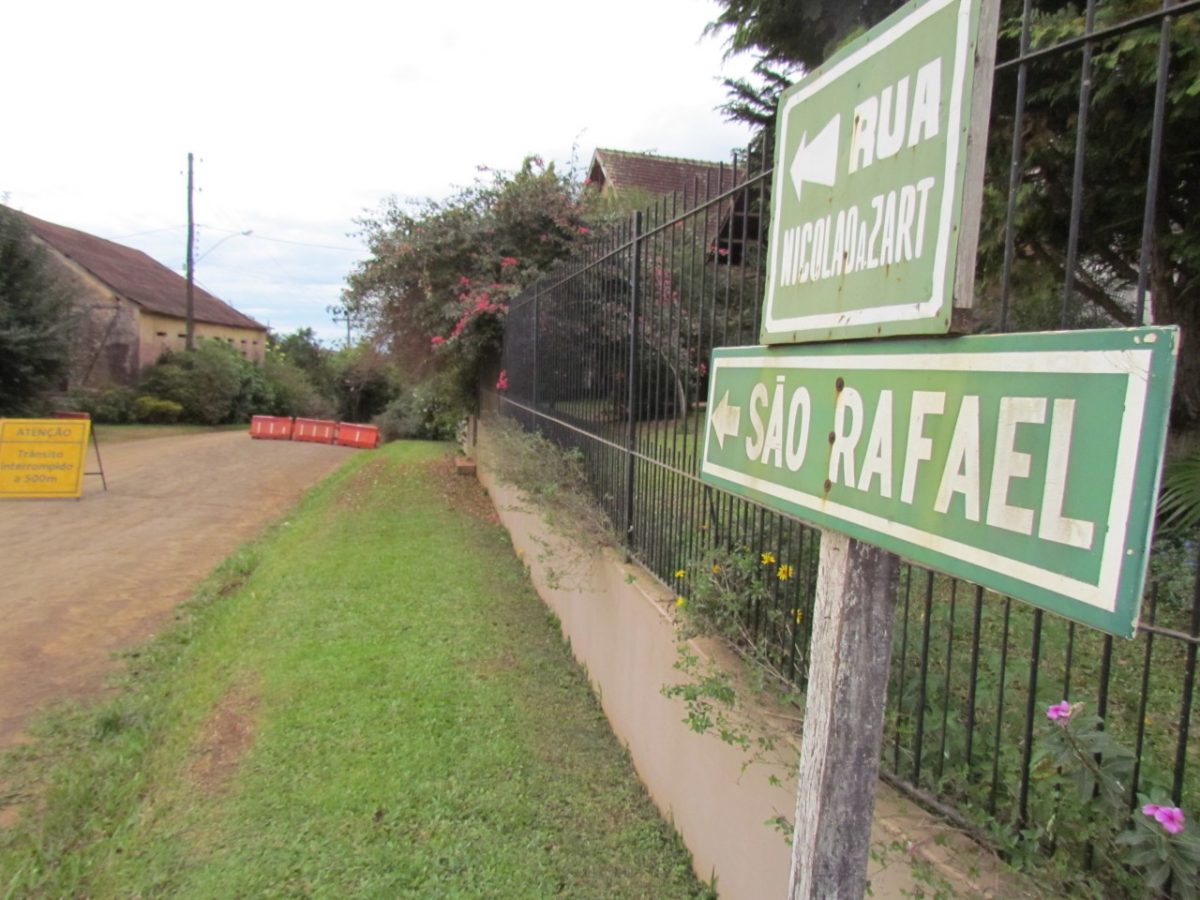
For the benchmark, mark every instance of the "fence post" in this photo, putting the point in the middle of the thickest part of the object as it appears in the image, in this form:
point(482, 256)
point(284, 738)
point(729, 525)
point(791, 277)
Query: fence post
point(537, 292)
point(635, 291)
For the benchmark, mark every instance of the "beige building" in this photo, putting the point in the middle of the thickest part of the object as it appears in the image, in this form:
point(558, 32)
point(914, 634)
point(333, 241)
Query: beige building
point(136, 308)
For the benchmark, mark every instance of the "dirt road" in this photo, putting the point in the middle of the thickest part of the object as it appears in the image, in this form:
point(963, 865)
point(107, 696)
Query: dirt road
point(82, 579)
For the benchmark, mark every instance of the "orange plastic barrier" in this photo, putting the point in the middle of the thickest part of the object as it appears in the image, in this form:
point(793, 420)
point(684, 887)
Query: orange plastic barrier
point(271, 428)
point(365, 437)
point(317, 431)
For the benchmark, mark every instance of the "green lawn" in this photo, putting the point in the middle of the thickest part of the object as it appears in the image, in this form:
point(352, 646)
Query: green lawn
point(369, 702)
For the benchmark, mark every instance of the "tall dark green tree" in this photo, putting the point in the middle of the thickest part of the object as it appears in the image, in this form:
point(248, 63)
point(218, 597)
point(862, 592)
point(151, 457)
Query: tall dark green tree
point(38, 317)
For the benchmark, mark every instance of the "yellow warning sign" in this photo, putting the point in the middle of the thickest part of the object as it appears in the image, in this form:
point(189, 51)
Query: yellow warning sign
point(42, 457)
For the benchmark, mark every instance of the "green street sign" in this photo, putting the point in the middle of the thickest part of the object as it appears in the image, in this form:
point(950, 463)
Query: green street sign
point(878, 179)
point(1027, 463)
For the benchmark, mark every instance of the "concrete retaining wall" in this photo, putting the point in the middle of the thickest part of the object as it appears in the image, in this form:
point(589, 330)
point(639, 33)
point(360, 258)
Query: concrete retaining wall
point(618, 621)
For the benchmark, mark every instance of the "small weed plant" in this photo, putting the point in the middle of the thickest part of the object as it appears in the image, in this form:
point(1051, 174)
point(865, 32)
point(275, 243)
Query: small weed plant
point(549, 476)
point(728, 595)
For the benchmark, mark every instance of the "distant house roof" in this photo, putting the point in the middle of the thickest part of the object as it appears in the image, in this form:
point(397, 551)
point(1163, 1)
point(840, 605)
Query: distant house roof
point(737, 221)
point(138, 278)
point(656, 175)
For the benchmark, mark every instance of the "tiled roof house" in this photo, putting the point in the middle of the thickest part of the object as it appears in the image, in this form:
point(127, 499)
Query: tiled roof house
point(136, 307)
point(619, 170)
point(647, 177)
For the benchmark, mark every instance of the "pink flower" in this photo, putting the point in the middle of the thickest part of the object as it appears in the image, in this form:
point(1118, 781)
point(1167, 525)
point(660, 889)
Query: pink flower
point(1171, 818)
point(1059, 712)
point(463, 281)
point(507, 262)
point(437, 339)
point(583, 229)
point(703, 367)
point(502, 381)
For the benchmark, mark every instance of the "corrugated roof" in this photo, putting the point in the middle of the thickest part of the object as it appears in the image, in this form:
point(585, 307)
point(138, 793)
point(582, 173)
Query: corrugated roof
point(658, 175)
point(136, 277)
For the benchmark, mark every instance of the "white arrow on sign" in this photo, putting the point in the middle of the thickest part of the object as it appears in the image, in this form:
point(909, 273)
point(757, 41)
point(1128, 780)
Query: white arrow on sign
point(817, 161)
point(726, 420)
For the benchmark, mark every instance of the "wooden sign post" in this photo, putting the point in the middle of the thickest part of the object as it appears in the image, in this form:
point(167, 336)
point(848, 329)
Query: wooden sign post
point(843, 719)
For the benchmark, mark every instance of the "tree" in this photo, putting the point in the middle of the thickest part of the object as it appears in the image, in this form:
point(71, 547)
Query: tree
point(38, 318)
point(795, 32)
point(435, 289)
point(1115, 164)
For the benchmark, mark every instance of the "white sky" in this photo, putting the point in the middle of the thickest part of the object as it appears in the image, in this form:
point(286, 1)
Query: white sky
point(302, 117)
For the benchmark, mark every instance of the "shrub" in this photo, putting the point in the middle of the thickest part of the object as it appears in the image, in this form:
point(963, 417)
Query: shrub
point(293, 391)
point(420, 413)
point(156, 411)
point(112, 405)
point(364, 384)
point(213, 384)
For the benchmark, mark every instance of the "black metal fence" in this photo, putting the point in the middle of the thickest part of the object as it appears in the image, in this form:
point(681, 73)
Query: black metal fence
point(1089, 220)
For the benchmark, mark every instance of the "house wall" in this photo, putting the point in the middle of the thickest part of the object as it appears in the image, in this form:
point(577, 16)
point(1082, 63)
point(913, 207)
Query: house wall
point(118, 339)
point(106, 346)
point(158, 334)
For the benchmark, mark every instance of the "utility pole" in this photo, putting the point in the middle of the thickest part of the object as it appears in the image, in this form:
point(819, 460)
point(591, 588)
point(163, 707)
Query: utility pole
point(341, 314)
point(191, 266)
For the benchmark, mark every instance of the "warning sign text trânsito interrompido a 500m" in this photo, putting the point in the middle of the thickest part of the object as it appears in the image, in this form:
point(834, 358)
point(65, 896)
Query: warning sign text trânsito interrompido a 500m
point(41, 458)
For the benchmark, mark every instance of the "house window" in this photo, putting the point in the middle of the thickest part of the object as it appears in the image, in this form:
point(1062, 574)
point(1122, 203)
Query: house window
point(183, 336)
point(161, 333)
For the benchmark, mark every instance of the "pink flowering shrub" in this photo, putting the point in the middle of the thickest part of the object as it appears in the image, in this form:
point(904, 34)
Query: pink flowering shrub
point(1091, 769)
point(1171, 818)
point(441, 273)
point(1059, 712)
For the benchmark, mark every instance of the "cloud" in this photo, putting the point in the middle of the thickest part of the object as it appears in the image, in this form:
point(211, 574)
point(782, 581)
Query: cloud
point(302, 117)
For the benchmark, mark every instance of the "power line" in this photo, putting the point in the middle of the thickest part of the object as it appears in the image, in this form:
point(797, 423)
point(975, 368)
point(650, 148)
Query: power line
point(305, 244)
point(263, 237)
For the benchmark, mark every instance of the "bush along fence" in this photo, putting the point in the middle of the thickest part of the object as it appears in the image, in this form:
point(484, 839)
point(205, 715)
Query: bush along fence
point(1068, 750)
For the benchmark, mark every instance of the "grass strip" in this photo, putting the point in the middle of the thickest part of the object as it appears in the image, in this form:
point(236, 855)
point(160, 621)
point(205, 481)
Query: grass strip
point(371, 701)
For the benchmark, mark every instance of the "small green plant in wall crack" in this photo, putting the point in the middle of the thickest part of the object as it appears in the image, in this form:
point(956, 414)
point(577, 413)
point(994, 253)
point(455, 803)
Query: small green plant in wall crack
point(754, 708)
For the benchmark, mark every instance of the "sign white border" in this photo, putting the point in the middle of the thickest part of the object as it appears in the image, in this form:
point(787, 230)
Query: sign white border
point(872, 315)
point(1134, 364)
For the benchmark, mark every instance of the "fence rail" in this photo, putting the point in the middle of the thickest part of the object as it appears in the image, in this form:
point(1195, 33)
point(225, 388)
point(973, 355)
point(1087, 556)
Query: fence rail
point(1084, 225)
